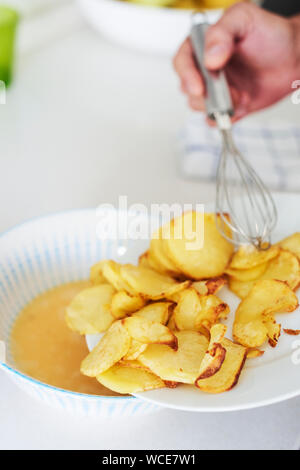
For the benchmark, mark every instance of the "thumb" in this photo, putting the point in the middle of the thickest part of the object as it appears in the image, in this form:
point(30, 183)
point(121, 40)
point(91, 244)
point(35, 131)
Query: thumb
point(219, 49)
point(222, 37)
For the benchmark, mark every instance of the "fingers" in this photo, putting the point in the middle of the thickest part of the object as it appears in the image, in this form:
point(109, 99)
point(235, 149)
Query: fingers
point(241, 104)
point(196, 103)
point(191, 80)
point(222, 37)
point(220, 46)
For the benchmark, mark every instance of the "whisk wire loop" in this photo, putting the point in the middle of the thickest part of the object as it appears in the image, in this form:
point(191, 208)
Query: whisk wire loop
point(240, 192)
point(245, 197)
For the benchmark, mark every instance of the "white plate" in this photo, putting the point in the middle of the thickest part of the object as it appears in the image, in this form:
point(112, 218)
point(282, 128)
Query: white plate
point(265, 380)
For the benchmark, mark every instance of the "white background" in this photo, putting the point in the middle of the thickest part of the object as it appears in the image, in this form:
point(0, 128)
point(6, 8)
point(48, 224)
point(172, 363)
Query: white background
point(84, 122)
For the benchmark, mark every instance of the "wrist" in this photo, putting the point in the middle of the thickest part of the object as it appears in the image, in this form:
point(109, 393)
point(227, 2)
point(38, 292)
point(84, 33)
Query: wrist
point(295, 24)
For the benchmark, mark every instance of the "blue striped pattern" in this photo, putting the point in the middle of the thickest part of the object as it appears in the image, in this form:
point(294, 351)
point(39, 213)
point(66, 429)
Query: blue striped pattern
point(39, 255)
point(272, 149)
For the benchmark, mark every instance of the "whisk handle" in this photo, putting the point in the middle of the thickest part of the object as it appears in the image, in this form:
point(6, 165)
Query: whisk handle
point(218, 99)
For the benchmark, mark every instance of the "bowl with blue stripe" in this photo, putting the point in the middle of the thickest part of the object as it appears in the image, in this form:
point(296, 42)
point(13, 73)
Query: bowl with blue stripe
point(45, 252)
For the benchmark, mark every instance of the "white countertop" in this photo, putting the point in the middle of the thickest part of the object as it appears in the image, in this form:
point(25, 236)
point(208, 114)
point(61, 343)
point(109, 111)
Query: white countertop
point(85, 122)
point(26, 424)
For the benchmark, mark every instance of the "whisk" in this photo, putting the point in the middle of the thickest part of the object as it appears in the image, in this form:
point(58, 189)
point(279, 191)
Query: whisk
point(240, 192)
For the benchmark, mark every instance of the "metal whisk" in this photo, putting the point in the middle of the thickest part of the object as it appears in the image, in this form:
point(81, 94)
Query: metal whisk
point(240, 192)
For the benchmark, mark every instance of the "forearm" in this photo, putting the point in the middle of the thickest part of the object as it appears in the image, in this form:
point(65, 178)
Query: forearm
point(295, 21)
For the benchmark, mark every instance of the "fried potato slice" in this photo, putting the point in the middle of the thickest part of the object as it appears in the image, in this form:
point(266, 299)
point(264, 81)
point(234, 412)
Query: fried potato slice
point(149, 332)
point(171, 323)
point(198, 263)
point(209, 286)
point(247, 257)
point(111, 272)
point(187, 309)
point(157, 256)
point(134, 363)
point(215, 354)
point(135, 350)
point(149, 283)
point(169, 384)
point(292, 244)
point(284, 267)
point(291, 332)
point(200, 287)
point(111, 348)
point(254, 353)
point(126, 379)
point(155, 266)
point(177, 366)
point(124, 304)
point(89, 312)
point(96, 275)
point(147, 261)
point(252, 324)
point(158, 312)
point(240, 288)
point(212, 309)
point(228, 375)
point(204, 287)
point(144, 261)
point(194, 311)
point(247, 274)
point(273, 330)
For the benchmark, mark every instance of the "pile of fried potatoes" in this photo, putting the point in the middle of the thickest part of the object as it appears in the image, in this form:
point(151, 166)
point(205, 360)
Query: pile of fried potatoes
point(162, 320)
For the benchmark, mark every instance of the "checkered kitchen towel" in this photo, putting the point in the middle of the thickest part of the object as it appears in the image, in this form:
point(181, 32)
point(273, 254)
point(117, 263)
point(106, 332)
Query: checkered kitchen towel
point(273, 151)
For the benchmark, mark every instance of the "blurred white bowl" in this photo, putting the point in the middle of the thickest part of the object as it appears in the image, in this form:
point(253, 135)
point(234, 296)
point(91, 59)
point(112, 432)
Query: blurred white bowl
point(43, 253)
point(147, 28)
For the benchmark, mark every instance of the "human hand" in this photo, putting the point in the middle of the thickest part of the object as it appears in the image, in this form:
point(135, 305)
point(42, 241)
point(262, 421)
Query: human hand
point(260, 52)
